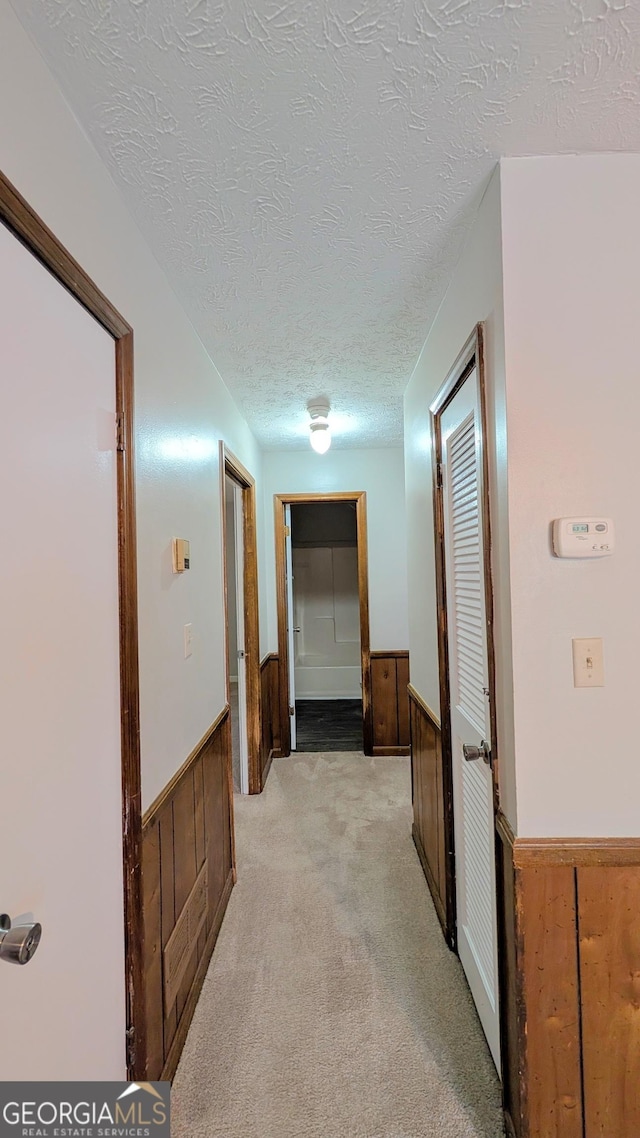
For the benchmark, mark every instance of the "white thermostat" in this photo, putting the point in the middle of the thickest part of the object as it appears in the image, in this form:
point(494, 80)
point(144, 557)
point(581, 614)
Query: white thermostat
point(583, 537)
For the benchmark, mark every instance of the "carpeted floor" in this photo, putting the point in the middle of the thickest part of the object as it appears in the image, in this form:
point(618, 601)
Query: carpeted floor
point(332, 1007)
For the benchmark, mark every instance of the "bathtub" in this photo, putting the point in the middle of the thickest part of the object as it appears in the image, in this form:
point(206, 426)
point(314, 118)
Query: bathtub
point(324, 677)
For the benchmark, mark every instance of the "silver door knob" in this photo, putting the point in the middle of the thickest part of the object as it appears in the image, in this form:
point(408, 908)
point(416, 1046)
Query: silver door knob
point(472, 753)
point(18, 942)
point(297, 630)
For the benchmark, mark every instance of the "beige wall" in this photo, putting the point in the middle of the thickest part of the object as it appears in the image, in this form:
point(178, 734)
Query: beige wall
point(182, 406)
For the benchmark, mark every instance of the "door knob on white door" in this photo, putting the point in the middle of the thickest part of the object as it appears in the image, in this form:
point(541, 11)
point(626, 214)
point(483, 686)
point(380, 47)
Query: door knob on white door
point(18, 942)
point(472, 753)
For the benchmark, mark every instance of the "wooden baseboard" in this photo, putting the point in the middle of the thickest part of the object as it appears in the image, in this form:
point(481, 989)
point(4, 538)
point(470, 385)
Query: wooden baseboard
point(270, 713)
point(508, 1125)
point(267, 767)
point(569, 911)
point(390, 702)
point(187, 839)
point(615, 852)
point(153, 811)
point(432, 811)
point(426, 869)
point(415, 697)
point(173, 1058)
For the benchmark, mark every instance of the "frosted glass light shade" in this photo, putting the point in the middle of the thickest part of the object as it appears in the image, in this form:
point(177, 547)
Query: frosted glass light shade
point(320, 437)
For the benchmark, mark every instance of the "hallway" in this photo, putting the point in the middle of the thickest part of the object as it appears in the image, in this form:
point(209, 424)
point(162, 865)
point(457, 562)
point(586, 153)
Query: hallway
point(332, 1007)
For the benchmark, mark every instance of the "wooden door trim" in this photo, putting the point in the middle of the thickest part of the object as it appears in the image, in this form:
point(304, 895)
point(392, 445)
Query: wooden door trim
point(359, 498)
point(232, 467)
point(29, 228)
point(471, 356)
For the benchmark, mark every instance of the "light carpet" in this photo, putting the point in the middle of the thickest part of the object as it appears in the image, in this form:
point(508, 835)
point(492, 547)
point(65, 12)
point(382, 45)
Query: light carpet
point(332, 1007)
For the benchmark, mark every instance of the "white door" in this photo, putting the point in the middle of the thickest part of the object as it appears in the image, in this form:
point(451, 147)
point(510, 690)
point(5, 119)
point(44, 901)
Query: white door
point(238, 529)
point(470, 721)
point(291, 638)
point(63, 1013)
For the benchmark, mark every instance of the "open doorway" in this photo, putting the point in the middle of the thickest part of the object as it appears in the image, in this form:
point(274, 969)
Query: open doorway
point(326, 661)
point(242, 624)
point(323, 622)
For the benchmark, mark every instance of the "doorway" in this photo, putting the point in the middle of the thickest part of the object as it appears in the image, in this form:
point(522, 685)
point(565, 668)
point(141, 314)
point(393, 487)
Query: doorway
point(238, 499)
point(70, 676)
point(325, 654)
point(323, 622)
point(467, 673)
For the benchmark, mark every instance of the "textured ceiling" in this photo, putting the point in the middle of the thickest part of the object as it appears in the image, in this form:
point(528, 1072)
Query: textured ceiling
point(305, 170)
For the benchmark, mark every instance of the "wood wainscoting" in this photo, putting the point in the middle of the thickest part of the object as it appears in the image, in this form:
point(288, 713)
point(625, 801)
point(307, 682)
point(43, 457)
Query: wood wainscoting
point(188, 874)
point(569, 913)
point(270, 714)
point(390, 702)
point(432, 811)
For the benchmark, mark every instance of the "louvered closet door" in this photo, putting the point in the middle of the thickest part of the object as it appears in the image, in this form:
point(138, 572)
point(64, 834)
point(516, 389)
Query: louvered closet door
point(470, 722)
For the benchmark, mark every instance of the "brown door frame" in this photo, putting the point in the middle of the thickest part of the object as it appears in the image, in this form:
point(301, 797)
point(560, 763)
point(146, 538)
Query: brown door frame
point(471, 356)
point(359, 498)
point(18, 216)
point(232, 467)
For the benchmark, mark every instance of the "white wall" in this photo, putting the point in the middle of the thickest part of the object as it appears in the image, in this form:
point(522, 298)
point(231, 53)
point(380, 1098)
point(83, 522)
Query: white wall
point(571, 240)
point(474, 294)
point(380, 473)
point(182, 406)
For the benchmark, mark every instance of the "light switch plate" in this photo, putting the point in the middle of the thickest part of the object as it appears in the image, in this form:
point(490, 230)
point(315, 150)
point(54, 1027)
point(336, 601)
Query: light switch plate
point(588, 663)
point(187, 641)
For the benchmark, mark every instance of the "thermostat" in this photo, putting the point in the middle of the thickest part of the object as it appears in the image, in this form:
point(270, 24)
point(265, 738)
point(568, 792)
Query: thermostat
point(583, 537)
point(180, 554)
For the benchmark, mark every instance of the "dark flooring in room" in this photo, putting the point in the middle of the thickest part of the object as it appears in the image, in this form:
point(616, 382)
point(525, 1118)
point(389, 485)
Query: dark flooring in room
point(329, 724)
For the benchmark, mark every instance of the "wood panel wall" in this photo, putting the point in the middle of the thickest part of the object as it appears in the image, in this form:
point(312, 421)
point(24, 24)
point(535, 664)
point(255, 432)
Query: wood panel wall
point(390, 702)
point(570, 985)
point(430, 809)
point(271, 746)
point(187, 835)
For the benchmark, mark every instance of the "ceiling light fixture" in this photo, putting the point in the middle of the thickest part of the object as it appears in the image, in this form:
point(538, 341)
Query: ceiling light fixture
point(319, 427)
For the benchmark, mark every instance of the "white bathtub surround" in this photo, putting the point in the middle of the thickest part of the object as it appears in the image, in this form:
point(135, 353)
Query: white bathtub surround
point(327, 612)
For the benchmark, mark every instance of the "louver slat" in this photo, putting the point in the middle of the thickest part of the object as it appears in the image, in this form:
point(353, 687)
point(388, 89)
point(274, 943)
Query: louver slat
point(467, 576)
point(468, 691)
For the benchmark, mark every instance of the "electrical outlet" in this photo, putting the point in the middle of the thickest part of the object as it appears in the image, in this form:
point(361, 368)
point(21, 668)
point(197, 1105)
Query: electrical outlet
point(188, 637)
point(588, 663)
